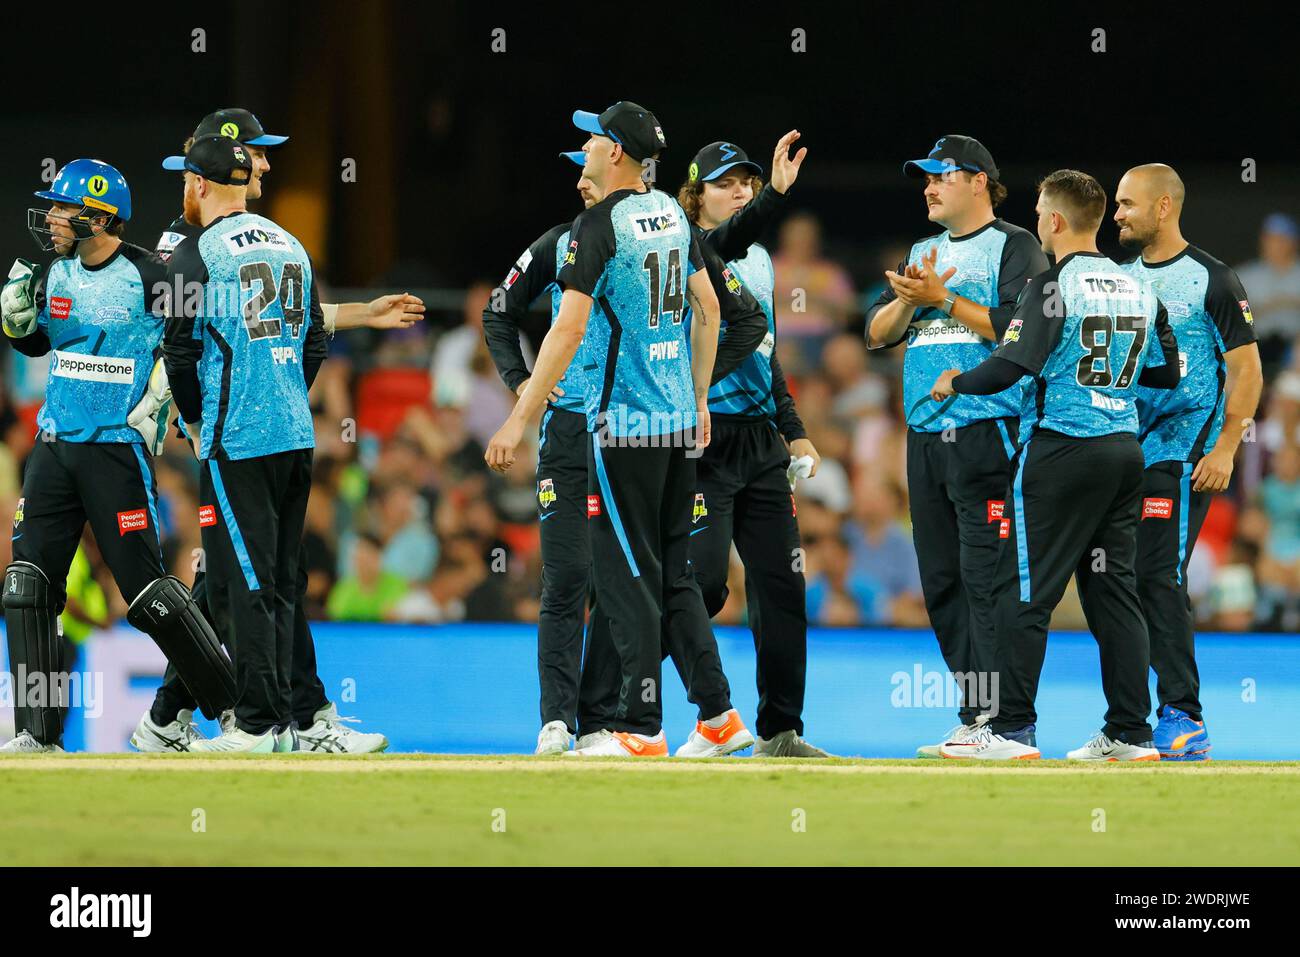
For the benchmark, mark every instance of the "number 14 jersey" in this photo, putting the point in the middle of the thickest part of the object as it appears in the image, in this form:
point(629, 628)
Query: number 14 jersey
point(632, 253)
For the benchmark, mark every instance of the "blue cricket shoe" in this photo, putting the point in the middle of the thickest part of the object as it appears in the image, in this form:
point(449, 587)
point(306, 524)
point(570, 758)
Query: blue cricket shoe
point(1179, 738)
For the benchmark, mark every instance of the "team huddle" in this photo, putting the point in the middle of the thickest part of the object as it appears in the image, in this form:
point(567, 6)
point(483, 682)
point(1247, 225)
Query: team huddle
point(1064, 419)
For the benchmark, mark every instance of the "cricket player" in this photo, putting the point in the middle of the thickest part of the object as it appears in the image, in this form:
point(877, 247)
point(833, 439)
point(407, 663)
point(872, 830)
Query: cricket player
point(744, 486)
point(1088, 333)
point(245, 337)
point(634, 255)
point(1189, 435)
point(96, 311)
point(562, 489)
point(168, 725)
point(958, 451)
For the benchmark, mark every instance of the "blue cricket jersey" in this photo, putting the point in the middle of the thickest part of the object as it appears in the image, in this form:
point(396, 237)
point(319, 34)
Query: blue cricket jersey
point(245, 337)
point(1210, 316)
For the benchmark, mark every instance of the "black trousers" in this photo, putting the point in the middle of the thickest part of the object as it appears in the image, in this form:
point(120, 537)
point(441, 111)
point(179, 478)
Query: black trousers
point(1172, 515)
point(1074, 511)
point(957, 485)
point(109, 485)
point(251, 515)
point(744, 496)
point(566, 562)
point(648, 604)
point(306, 689)
point(67, 484)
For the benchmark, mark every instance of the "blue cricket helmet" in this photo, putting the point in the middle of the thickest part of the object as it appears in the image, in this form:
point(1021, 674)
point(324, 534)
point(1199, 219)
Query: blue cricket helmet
point(91, 183)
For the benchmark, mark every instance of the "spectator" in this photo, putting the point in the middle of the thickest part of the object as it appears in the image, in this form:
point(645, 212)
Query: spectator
point(839, 595)
point(883, 552)
point(1273, 286)
point(370, 593)
point(400, 521)
point(814, 296)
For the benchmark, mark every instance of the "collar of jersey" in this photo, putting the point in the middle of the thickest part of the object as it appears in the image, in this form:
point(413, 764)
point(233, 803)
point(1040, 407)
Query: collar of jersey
point(961, 239)
point(1168, 262)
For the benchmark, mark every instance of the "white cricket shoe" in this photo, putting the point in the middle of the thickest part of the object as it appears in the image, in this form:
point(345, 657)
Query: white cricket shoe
point(176, 736)
point(958, 735)
point(707, 742)
point(24, 743)
point(329, 734)
point(983, 745)
point(1102, 748)
point(587, 740)
point(622, 744)
point(554, 738)
point(238, 740)
point(286, 739)
point(787, 744)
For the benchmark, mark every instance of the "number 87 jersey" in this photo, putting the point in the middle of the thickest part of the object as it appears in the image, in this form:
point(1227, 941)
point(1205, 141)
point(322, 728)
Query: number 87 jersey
point(245, 336)
point(1085, 330)
point(632, 253)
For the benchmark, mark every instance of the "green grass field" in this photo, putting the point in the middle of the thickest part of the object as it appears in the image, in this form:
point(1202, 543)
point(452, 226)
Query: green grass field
point(430, 810)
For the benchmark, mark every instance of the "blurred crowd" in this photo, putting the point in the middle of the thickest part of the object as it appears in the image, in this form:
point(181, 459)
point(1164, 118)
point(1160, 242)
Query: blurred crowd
point(406, 524)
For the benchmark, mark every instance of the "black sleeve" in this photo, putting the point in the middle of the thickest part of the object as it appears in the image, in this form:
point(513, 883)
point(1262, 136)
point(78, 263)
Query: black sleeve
point(591, 246)
point(788, 422)
point(696, 256)
point(317, 346)
point(1168, 374)
point(1035, 329)
point(1022, 259)
point(988, 378)
point(183, 332)
point(1227, 305)
point(885, 298)
point(744, 324)
point(732, 239)
point(153, 275)
point(532, 274)
point(37, 342)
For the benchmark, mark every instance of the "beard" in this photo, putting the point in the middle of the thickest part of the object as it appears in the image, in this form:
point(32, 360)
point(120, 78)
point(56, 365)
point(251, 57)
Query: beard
point(190, 208)
point(1134, 239)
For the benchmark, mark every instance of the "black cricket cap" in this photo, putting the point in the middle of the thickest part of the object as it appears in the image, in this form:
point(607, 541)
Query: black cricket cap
point(951, 153)
point(237, 124)
point(219, 159)
point(715, 159)
point(631, 126)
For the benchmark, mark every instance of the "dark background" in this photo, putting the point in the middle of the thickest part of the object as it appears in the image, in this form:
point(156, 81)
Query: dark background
point(455, 145)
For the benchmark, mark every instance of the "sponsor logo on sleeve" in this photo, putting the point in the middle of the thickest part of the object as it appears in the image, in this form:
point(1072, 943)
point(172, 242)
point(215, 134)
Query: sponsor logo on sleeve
point(1245, 311)
point(167, 244)
point(60, 307)
point(767, 345)
point(732, 281)
point(133, 521)
point(18, 513)
point(593, 506)
point(519, 268)
point(995, 508)
point(572, 255)
point(1004, 528)
point(1013, 330)
point(1157, 508)
point(207, 516)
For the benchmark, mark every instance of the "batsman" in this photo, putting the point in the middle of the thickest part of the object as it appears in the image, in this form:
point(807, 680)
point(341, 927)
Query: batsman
point(96, 312)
